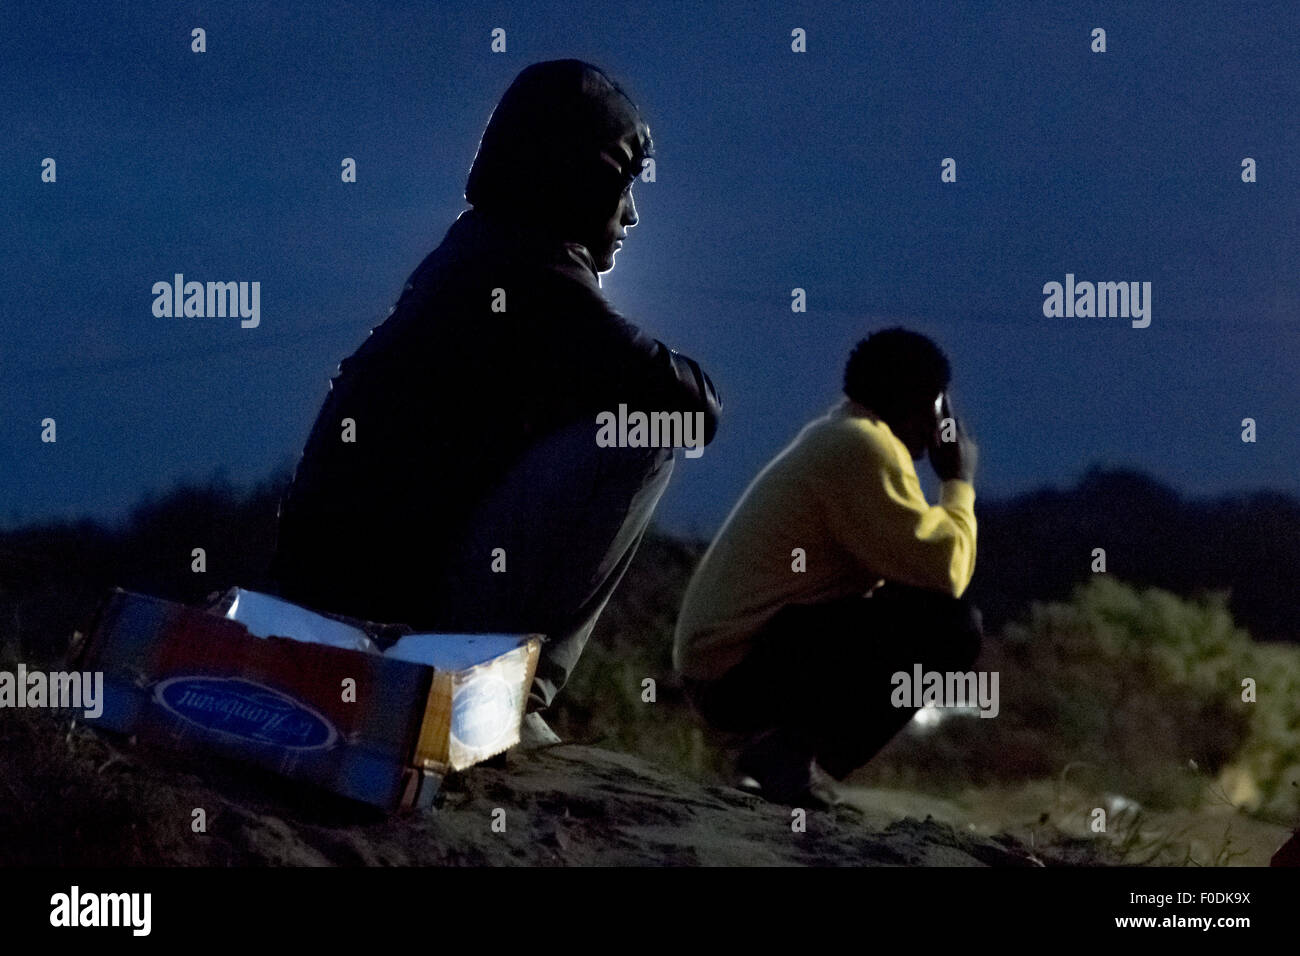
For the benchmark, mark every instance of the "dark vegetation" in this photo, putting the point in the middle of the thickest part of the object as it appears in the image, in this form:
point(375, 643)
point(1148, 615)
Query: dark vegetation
point(1128, 682)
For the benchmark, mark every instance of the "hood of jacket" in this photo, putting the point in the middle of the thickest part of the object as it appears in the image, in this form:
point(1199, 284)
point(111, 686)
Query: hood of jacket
point(549, 145)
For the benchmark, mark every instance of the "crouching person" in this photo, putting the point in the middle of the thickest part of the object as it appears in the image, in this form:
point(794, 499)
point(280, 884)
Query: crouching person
point(455, 479)
point(834, 573)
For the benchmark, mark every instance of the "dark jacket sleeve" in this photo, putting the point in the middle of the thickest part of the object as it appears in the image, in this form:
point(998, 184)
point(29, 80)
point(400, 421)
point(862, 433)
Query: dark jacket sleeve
point(608, 360)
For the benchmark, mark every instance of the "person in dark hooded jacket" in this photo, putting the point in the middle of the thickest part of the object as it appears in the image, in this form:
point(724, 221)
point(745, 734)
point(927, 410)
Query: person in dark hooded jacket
point(452, 480)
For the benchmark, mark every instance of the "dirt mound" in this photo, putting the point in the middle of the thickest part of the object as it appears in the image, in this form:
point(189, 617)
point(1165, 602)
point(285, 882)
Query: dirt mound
point(77, 798)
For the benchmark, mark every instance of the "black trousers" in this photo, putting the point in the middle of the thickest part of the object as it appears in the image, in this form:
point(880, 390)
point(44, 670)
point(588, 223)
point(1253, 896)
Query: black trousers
point(566, 520)
point(569, 518)
point(821, 673)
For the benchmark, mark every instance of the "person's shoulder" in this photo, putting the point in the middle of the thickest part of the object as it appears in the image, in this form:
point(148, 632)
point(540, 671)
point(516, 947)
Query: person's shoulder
point(840, 432)
point(481, 244)
point(567, 274)
point(573, 261)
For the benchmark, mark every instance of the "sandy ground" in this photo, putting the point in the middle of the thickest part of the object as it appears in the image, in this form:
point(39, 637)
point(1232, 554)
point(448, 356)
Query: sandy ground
point(71, 796)
point(78, 798)
point(1213, 835)
point(574, 804)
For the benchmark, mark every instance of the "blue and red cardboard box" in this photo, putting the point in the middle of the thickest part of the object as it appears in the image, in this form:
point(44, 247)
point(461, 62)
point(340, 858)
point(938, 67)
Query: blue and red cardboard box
point(367, 725)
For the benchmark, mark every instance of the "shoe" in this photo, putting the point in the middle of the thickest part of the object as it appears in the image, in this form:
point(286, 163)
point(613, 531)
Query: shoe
point(534, 733)
point(821, 793)
point(826, 792)
point(778, 768)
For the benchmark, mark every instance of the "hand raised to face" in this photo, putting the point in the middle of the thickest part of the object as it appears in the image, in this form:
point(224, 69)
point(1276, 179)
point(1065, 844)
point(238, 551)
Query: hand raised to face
point(956, 458)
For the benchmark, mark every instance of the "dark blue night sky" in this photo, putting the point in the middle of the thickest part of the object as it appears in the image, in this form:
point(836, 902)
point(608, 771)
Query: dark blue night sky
point(775, 170)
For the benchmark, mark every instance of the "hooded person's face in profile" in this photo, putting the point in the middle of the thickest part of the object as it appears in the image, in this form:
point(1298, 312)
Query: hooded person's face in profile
point(604, 227)
point(559, 154)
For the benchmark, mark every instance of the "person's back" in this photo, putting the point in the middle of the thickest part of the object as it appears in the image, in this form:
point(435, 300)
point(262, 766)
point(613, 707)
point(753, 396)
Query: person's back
point(440, 400)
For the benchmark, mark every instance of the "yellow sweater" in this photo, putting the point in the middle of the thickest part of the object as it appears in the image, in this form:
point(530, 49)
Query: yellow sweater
point(846, 493)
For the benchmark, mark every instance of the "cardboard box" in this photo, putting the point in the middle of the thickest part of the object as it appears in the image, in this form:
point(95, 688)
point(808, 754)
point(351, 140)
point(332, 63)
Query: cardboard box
point(379, 728)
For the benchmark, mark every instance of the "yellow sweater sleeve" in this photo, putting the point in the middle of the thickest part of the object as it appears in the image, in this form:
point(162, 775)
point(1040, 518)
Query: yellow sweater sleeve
point(876, 510)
